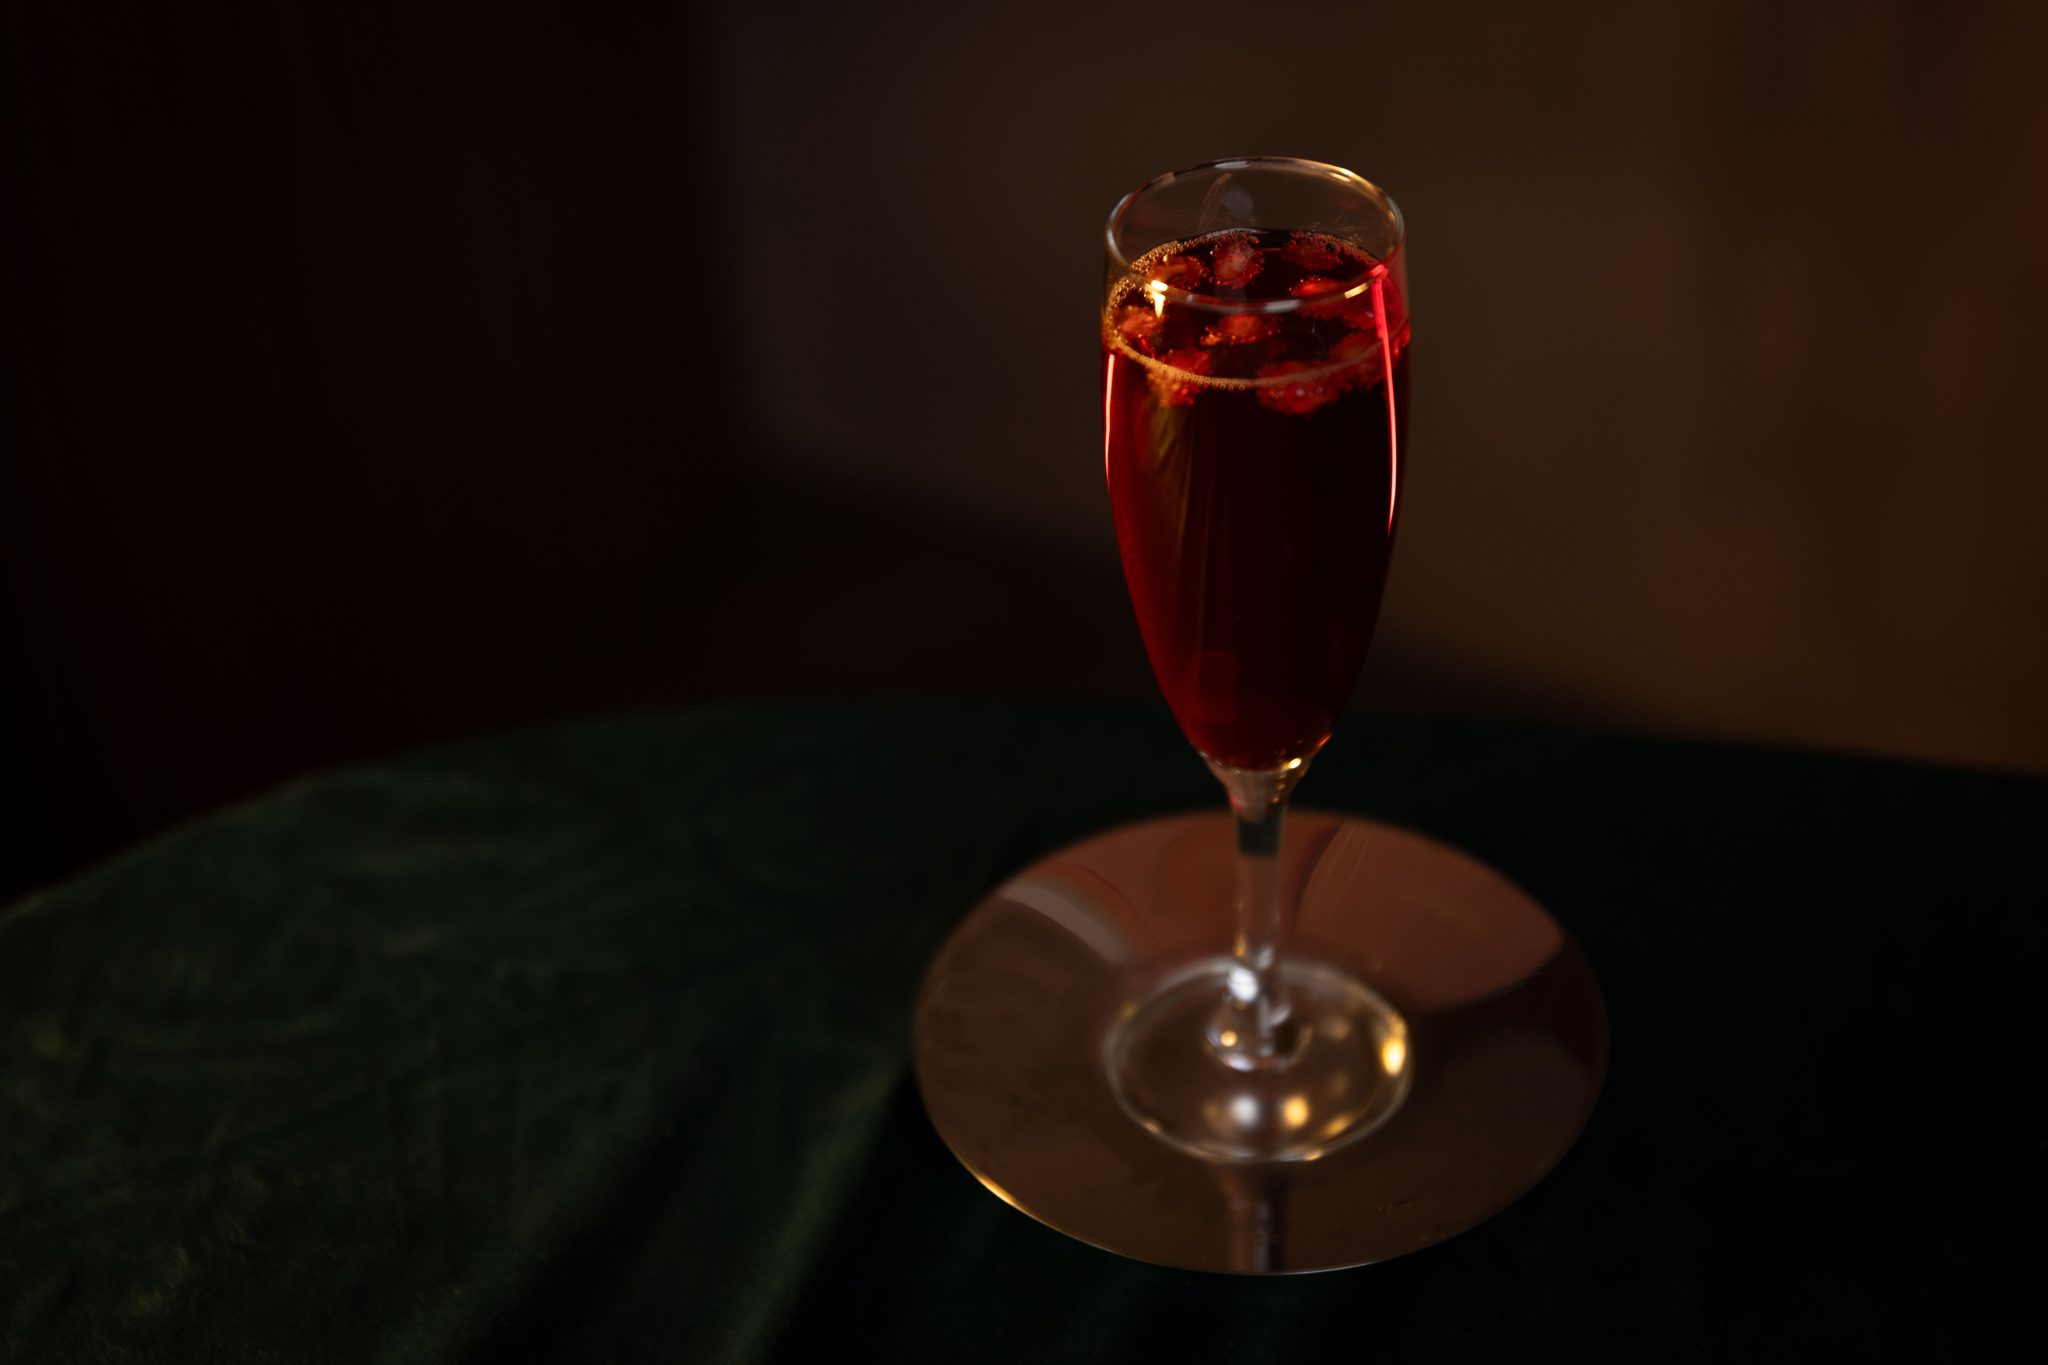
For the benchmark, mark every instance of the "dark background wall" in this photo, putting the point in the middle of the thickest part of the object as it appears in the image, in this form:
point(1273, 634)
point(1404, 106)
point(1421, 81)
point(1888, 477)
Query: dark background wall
point(381, 372)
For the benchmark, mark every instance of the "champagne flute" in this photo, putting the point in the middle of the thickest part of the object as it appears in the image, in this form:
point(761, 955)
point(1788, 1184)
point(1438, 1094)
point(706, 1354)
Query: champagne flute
point(1255, 398)
point(1359, 1041)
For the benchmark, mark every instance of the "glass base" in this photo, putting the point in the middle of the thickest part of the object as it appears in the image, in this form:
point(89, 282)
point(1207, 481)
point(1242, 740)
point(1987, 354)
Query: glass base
point(1341, 1069)
point(1450, 1044)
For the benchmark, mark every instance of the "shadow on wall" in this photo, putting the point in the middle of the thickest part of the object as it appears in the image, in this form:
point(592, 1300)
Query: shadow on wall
point(380, 375)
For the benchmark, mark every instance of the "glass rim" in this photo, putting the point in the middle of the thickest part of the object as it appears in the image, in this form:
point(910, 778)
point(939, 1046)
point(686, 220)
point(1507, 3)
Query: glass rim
point(1216, 302)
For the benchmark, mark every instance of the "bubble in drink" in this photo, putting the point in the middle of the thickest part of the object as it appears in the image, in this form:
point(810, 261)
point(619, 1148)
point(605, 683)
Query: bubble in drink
point(1177, 382)
point(1312, 251)
point(1138, 322)
point(1235, 260)
point(1296, 386)
point(1320, 309)
point(1240, 329)
point(1182, 272)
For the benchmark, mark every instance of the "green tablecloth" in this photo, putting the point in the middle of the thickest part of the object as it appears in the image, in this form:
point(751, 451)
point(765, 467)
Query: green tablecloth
point(591, 1044)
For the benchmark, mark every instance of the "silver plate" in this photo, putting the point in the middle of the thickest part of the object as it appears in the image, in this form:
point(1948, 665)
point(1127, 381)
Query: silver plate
point(1507, 1031)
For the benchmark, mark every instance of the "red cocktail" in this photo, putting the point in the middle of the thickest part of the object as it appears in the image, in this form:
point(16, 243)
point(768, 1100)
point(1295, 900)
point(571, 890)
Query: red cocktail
point(1255, 391)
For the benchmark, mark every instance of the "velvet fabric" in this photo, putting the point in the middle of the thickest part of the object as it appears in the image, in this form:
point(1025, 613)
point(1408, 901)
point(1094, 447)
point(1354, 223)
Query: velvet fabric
point(591, 1044)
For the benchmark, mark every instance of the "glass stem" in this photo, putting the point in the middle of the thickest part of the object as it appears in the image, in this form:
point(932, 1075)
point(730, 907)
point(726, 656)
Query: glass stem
point(1254, 1029)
